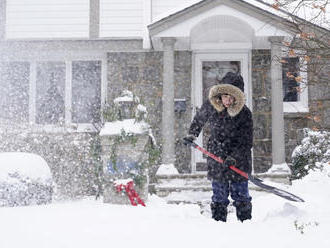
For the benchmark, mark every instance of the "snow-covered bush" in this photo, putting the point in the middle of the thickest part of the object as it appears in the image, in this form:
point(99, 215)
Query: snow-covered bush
point(25, 179)
point(313, 151)
point(72, 155)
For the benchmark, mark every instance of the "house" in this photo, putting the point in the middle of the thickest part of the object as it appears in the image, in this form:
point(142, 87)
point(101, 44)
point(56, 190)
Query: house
point(62, 61)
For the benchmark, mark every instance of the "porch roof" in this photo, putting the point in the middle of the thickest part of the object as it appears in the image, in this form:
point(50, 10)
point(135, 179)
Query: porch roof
point(262, 18)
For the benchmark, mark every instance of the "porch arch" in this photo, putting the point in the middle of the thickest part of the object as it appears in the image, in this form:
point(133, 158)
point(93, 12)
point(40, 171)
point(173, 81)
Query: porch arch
point(221, 29)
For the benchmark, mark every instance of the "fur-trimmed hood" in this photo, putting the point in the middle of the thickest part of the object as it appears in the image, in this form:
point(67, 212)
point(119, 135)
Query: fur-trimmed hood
point(217, 90)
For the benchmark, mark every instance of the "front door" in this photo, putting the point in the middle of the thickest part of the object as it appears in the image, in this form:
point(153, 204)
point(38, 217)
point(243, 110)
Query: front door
point(209, 69)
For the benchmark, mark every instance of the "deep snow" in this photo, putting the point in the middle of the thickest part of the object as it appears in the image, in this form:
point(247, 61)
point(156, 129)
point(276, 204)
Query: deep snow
point(26, 165)
point(88, 223)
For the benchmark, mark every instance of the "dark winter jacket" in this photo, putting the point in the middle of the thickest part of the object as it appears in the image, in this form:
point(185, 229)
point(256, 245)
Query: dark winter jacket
point(231, 132)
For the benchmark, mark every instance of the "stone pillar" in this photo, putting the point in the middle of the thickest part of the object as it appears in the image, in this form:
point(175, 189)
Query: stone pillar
point(278, 146)
point(94, 19)
point(2, 19)
point(128, 155)
point(125, 153)
point(168, 154)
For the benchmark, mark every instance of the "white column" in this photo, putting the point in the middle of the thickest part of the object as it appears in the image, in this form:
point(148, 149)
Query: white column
point(104, 83)
point(147, 18)
point(168, 153)
point(278, 145)
point(94, 19)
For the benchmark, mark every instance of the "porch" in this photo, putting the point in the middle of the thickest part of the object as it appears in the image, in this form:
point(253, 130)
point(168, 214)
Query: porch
point(221, 34)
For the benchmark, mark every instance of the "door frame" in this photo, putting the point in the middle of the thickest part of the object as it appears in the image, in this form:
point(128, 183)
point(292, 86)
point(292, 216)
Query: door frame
point(198, 57)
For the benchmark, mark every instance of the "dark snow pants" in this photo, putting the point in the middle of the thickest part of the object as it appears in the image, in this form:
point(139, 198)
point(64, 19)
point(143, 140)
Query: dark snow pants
point(239, 192)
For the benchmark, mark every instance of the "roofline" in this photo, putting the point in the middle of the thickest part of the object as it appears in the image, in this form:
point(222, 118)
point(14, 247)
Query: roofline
point(174, 18)
point(195, 7)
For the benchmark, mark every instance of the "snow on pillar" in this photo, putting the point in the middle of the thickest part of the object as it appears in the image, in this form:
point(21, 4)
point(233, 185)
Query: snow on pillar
point(168, 153)
point(278, 146)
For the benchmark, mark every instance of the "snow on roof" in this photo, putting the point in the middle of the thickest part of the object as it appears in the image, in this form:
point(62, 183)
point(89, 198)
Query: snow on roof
point(128, 126)
point(26, 165)
point(172, 11)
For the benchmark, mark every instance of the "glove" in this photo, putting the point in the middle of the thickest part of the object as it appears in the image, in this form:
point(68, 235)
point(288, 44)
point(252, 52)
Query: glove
point(188, 139)
point(230, 174)
point(229, 161)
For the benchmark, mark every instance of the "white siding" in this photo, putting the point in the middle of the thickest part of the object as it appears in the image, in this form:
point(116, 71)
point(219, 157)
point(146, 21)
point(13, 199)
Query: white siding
point(162, 8)
point(47, 19)
point(121, 18)
point(70, 18)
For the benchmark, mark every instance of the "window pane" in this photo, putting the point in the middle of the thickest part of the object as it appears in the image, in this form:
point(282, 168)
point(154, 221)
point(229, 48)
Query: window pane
point(14, 91)
point(290, 71)
point(86, 91)
point(50, 92)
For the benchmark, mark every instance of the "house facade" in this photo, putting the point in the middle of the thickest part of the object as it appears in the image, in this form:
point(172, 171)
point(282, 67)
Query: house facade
point(63, 61)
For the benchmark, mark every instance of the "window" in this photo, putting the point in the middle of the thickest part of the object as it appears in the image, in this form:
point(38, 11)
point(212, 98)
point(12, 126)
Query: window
point(290, 72)
point(50, 95)
point(54, 93)
point(86, 91)
point(295, 90)
point(14, 91)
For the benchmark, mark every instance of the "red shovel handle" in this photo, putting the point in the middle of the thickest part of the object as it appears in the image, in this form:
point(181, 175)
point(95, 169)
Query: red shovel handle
point(232, 167)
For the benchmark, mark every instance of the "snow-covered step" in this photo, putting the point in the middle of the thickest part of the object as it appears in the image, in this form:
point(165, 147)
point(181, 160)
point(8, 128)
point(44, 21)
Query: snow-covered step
point(180, 183)
point(183, 180)
point(188, 188)
point(189, 197)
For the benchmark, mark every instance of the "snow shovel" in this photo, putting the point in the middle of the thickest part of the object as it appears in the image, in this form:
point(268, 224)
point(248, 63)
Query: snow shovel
point(256, 181)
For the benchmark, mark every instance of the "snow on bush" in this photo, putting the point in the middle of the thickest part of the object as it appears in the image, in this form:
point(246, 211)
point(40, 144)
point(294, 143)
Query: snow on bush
point(312, 153)
point(25, 179)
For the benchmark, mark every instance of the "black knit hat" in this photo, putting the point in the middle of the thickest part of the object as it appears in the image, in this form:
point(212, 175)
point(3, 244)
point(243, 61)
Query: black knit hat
point(233, 79)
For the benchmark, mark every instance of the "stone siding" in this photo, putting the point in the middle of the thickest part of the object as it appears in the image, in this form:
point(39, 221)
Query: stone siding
point(261, 90)
point(141, 73)
point(182, 78)
point(319, 98)
point(317, 118)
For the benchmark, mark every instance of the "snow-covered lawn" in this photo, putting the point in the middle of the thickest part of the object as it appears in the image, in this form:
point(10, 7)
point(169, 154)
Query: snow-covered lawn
point(88, 223)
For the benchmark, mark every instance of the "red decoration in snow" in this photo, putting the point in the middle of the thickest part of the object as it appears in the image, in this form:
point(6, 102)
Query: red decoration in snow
point(131, 193)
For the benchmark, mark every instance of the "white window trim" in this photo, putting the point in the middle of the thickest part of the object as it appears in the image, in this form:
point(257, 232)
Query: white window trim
point(300, 106)
point(32, 92)
point(68, 57)
point(68, 92)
